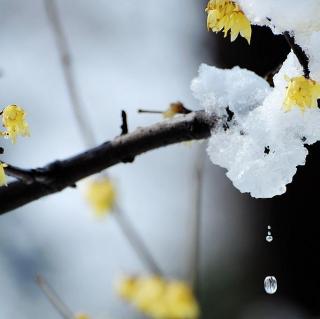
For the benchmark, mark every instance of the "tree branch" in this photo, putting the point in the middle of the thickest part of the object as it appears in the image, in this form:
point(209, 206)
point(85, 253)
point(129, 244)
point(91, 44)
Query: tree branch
point(64, 173)
point(299, 53)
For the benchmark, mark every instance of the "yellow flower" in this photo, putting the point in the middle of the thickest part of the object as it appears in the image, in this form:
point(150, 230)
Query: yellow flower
point(127, 287)
point(3, 178)
point(81, 316)
point(148, 296)
point(302, 93)
point(175, 108)
point(101, 195)
point(226, 15)
point(181, 302)
point(160, 298)
point(13, 119)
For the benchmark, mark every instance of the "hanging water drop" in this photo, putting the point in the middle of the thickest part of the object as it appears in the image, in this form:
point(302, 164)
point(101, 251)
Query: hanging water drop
point(270, 285)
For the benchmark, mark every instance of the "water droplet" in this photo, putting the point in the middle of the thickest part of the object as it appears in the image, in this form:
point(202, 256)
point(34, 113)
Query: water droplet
point(269, 227)
point(270, 285)
point(269, 238)
point(269, 233)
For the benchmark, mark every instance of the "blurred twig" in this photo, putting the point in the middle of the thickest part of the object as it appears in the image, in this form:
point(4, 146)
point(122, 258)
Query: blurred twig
point(68, 72)
point(87, 130)
point(54, 299)
point(64, 173)
point(136, 241)
point(197, 213)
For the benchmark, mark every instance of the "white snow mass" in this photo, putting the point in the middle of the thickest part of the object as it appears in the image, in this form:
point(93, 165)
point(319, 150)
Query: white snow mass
point(262, 145)
point(283, 15)
point(257, 141)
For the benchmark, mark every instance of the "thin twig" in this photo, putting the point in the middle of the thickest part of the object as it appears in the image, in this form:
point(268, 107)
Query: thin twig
point(149, 111)
point(124, 125)
point(25, 175)
point(124, 131)
point(299, 53)
point(175, 107)
point(54, 299)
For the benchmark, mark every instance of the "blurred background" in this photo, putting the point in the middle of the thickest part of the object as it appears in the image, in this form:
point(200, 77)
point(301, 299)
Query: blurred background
point(128, 55)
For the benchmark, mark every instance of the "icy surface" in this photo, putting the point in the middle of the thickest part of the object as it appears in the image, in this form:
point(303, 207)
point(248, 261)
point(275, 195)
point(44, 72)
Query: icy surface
point(262, 145)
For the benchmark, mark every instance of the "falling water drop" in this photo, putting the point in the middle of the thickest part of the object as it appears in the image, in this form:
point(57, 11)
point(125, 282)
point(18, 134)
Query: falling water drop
point(269, 238)
point(270, 285)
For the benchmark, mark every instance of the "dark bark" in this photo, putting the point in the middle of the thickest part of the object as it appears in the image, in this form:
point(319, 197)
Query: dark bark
point(56, 176)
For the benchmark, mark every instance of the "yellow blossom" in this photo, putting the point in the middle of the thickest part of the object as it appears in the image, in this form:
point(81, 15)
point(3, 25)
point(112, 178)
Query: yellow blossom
point(302, 93)
point(13, 119)
point(101, 195)
point(225, 15)
point(81, 316)
point(127, 287)
point(148, 296)
point(175, 108)
point(3, 178)
point(160, 298)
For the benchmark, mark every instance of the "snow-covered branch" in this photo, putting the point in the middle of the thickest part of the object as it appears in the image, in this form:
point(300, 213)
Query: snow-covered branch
point(54, 177)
